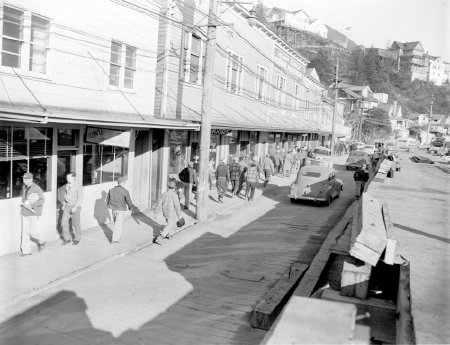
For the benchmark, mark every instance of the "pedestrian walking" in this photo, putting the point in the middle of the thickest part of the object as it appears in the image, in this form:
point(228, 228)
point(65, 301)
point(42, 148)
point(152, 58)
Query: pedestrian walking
point(361, 176)
point(268, 169)
point(117, 200)
point(31, 211)
point(235, 173)
point(251, 181)
point(189, 178)
point(287, 166)
point(277, 163)
point(73, 198)
point(222, 177)
point(169, 204)
point(297, 160)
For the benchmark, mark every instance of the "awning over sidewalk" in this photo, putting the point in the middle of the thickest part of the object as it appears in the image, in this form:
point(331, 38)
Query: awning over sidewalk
point(97, 118)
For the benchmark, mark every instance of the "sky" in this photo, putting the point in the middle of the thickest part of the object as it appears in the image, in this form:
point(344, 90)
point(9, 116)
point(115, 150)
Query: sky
point(373, 23)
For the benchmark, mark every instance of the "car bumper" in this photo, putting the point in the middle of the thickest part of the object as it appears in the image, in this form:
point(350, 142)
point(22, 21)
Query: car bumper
point(308, 197)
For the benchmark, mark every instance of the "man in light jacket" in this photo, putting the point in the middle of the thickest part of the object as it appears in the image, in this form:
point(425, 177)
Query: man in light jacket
point(117, 200)
point(268, 168)
point(31, 210)
point(169, 204)
point(73, 198)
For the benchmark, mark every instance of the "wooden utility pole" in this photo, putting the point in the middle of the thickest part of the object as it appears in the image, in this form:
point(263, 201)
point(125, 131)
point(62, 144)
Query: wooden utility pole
point(205, 130)
point(429, 119)
point(333, 122)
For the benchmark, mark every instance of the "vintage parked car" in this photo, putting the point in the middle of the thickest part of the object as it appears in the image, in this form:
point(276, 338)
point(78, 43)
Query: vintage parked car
point(369, 149)
point(356, 159)
point(320, 156)
point(389, 166)
point(316, 183)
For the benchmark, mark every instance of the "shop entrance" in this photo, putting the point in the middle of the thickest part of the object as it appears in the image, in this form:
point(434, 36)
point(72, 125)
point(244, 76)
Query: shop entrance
point(65, 164)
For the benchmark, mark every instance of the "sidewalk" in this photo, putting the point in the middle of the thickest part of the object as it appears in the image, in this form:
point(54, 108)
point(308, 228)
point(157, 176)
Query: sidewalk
point(25, 277)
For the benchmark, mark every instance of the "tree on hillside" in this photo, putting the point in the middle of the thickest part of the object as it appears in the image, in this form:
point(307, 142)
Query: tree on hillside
point(376, 124)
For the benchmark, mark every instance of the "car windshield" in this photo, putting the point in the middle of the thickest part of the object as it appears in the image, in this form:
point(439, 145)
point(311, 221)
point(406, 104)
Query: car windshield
point(311, 173)
point(355, 153)
point(322, 152)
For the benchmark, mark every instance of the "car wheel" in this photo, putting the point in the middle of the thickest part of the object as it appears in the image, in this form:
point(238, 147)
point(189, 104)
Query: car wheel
point(293, 200)
point(328, 202)
point(346, 167)
point(339, 193)
point(391, 175)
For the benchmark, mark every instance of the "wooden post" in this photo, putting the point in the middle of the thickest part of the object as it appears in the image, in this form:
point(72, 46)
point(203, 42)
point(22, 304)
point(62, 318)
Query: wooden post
point(389, 252)
point(205, 131)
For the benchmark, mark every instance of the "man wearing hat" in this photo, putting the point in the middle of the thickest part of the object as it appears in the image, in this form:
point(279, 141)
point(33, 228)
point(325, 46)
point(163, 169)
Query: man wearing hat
point(169, 204)
point(31, 210)
point(73, 198)
point(222, 178)
point(117, 200)
point(188, 177)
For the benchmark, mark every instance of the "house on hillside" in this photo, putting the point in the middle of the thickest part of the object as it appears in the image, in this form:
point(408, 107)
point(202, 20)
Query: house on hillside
point(446, 73)
point(436, 69)
point(399, 124)
point(412, 59)
point(440, 124)
point(387, 56)
point(295, 19)
point(317, 27)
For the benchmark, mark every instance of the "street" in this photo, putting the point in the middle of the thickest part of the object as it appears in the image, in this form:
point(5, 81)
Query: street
point(198, 288)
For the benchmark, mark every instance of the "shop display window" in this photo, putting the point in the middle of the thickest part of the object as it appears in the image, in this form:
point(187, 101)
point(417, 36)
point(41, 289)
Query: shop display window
point(104, 163)
point(24, 149)
point(178, 141)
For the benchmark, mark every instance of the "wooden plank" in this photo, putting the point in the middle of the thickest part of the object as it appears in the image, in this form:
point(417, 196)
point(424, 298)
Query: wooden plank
point(371, 240)
point(380, 177)
point(405, 324)
point(242, 275)
point(355, 278)
point(267, 310)
point(314, 321)
point(389, 253)
point(333, 295)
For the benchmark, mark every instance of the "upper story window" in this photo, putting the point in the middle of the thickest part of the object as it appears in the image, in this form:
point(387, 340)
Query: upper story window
point(296, 103)
point(234, 73)
point(194, 58)
point(280, 92)
point(261, 83)
point(122, 67)
point(25, 36)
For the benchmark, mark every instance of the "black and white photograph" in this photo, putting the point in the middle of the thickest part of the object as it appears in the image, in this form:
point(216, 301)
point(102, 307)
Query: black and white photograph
point(255, 172)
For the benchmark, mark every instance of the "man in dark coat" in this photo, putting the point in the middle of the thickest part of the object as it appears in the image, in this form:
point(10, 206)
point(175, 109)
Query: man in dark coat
point(118, 199)
point(222, 178)
point(361, 176)
point(188, 176)
point(235, 173)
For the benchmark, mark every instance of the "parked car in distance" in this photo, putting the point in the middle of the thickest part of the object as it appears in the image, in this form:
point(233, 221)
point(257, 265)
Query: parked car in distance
point(403, 144)
point(389, 166)
point(369, 149)
point(357, 146)
point(316, 183)
point(321, 155)
point(356, 159)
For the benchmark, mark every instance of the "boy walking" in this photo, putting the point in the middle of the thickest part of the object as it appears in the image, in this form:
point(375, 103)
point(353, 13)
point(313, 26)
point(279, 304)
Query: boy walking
point(118, 199)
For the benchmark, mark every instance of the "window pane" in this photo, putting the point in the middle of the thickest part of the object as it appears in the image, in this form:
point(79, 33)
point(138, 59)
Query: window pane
point(11, 46)
point(68, 137)
point(5, 182)
point(129, 76)
point(10, 60)
point(121, 162)
point(19, 143)
point(19, 167)
point(116, 49)
point(38, 59)
point(41, 170)
point(40, 141)
point(5, 143)
point(107, 163)
point(131, 57)
point(12, 22)
point(91, 164)
point(114, 75)
point(194, 69)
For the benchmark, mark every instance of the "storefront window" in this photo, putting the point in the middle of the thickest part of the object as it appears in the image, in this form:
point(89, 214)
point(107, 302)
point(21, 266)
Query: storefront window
point(271, 141)
point(253, 142)
point(22, 150)
point(104, 163)
point(214, 144)
point(68, 137)
point(233, 142)
point(178, 141)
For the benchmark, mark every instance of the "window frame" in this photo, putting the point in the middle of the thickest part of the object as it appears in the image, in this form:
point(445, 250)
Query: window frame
point(187, 54)
point(26, 42)
point(280, 95)
point(239, 59)
point(122, 65)
point(261, 83)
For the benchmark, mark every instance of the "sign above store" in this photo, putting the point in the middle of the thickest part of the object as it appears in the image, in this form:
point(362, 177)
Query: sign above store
point(106, 136)
point(220, 131)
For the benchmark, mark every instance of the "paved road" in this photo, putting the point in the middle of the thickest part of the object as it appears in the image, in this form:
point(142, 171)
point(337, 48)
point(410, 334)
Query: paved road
point(199, 288)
